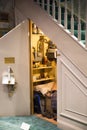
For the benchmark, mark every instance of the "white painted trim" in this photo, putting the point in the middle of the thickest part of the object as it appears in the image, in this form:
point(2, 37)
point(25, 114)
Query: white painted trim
point(73, 118)
point(67, 126)
point(66, 117)
point(84, 92)
point(85, 85)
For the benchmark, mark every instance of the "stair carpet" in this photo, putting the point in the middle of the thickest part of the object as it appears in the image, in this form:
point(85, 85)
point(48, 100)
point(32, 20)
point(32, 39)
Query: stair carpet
point(83, 24)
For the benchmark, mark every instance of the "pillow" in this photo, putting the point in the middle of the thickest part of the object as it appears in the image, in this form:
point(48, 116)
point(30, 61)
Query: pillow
point(44, 88)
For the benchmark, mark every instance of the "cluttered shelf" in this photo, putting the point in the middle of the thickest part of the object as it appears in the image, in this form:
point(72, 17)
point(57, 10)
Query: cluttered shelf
point(43, 67)
point(43, 79)
point(43, 73)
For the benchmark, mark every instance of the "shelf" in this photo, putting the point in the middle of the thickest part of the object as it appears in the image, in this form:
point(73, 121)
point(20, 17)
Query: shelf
point(43, 67)
point(43, 79)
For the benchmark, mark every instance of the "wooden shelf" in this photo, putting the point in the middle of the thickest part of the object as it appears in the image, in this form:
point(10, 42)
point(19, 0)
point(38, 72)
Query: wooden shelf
point(43, 79)
point(43, 67)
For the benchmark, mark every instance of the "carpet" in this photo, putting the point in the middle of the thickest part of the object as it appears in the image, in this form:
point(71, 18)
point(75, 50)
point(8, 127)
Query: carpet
point(14, 123)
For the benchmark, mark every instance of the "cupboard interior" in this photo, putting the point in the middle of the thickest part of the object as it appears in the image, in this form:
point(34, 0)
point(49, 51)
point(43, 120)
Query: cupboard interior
point(43, 74)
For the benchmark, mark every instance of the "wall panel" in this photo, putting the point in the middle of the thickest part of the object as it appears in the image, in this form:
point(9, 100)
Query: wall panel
point(16, 44)
point(72, 95)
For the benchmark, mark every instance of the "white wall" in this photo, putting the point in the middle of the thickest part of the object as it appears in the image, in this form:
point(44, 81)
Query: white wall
point(72, 96)
point(16, 44)
point(19, 17)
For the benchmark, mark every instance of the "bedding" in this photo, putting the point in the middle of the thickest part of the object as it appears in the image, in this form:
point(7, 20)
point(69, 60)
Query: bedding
point(45, 99)
point(44, 88)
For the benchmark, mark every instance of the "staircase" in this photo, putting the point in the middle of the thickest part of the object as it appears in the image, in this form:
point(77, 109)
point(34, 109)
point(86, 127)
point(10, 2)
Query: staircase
point(50, 16)
point(63, 12)
point(58, 22)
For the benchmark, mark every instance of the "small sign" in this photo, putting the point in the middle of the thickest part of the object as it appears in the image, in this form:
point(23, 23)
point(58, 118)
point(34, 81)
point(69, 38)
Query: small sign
point(9, 60)
point(7, 80)
point(25, 126)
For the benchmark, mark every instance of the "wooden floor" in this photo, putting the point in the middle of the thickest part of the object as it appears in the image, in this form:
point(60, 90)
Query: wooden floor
point(45, 118)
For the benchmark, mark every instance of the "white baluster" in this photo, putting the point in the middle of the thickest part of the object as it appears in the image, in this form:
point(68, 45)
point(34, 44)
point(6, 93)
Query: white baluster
point(72, 18)
point(59, 12)
point(65, 15)
point(53, 9)
point(79, 22)
point(48, 7)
